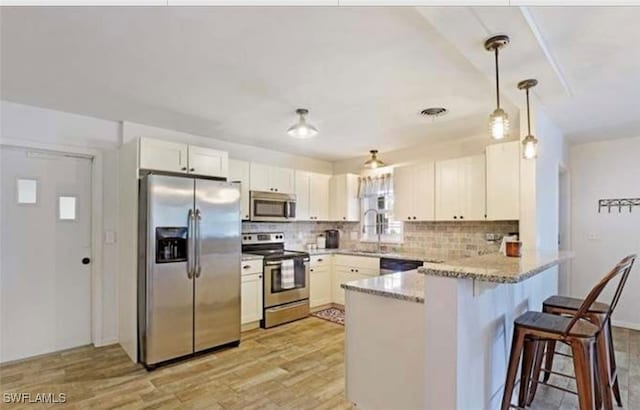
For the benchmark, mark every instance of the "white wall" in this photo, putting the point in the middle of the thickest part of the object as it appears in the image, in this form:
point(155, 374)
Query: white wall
point(600, 170)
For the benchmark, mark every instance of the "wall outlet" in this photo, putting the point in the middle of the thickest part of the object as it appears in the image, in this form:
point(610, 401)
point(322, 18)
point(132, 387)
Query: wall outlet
point(492, 237)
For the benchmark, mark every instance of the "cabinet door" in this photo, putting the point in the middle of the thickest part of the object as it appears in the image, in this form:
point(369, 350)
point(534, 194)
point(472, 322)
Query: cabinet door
point(345, 204)
point(503, 181)
point(319, 197)
point(283, 180)
point(474, 188)
point(239, 172)
point(251, 297)
point(448, 192)
point(341, 275)
point(403, 193)
point(320, 287)
point(260, 177)
point(163, 155)
point(424, 191)
point(303, 197)
point(209, 162)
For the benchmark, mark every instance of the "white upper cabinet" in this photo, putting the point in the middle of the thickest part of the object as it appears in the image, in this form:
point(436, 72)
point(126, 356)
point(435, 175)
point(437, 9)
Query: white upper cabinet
point(460, 189)
point(239, 172)
point(163, 155)
point(207, 161)
point(503, 181)
point(272, 179)
point(414, 192)
point(343, 194)
point(174, 157)
point(312, 196)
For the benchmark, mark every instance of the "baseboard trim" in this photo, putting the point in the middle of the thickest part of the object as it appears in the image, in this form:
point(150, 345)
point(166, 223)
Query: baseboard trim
point(626, 325)
point(106, 342)
point(250, 326)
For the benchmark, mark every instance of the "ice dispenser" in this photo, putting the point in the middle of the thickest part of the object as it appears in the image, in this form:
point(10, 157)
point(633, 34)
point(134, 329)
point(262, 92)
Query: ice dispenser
point(171, 244)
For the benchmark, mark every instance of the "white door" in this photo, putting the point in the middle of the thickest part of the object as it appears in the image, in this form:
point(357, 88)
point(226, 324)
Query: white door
point(260, 177)
point(209, 162)
point(239, 172)
point(163, 155)
point(319, 196)
point(448, 190)
point(303, 204)
point(45, 286)
point(283, 180)
point(424, 192)
point(403, 191)
point(251, 298)
point(474, 203)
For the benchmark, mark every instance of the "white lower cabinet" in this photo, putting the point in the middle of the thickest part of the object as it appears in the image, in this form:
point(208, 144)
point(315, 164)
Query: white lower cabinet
point(348, 268)
point(251, 296)
point(320, 286)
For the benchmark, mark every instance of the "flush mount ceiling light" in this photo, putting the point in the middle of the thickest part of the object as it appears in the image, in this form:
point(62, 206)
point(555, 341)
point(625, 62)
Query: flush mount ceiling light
point(498, 120)
point(434, 112)
point(529, 143)
point(301, 129)
point(374, 162)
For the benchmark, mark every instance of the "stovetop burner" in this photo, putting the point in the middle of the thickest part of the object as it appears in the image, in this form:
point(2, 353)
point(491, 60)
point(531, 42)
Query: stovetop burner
point(269, 245)
point(279, 254)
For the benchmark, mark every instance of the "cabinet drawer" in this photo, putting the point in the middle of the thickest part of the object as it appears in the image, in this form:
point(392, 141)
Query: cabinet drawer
point(320, 260)
point(251, 267)
point(355, 270)
point(364, 262)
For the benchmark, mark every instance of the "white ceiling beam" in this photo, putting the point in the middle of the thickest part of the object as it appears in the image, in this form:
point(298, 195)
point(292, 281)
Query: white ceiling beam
point(535, 30)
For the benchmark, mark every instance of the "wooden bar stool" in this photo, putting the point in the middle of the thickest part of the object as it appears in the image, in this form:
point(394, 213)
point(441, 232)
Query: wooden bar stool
point(599, 314)
point(533, 329)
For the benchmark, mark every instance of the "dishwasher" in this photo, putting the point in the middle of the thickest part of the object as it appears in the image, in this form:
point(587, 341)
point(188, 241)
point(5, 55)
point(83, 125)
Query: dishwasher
point(394, 265)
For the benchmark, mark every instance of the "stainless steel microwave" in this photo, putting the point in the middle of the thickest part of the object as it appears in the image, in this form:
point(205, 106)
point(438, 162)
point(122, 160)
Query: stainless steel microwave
point(272, 207)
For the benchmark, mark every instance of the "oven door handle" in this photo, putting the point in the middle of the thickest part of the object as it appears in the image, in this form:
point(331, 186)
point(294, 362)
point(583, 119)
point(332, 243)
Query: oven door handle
point(273, 263)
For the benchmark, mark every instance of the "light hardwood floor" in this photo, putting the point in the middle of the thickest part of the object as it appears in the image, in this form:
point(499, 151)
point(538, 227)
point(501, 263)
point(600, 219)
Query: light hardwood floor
point(295, 366)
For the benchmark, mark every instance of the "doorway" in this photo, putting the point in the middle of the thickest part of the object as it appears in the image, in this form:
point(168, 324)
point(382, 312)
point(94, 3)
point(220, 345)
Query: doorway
point(564, 225)
point(45, 252)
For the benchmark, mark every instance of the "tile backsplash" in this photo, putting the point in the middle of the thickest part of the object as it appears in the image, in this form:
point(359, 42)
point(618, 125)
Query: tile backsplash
point(444, 240)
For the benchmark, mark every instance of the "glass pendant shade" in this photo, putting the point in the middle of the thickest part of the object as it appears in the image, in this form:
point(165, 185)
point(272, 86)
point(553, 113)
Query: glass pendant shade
point(302, 129)
point(529, 147)
point(374, 162)
point(499, 124)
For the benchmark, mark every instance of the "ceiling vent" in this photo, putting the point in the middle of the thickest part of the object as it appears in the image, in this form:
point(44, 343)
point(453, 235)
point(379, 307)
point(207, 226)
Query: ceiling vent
point(434, 112)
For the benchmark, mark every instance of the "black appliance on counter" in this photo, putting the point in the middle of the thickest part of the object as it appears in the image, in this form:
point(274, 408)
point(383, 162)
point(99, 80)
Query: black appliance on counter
point(333, 238)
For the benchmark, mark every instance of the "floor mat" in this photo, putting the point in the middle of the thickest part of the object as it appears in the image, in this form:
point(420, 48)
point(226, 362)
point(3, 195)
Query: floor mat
point(331, 314)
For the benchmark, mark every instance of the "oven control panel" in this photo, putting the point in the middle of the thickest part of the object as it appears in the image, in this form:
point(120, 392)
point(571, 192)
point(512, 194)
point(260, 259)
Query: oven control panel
point(251, 238)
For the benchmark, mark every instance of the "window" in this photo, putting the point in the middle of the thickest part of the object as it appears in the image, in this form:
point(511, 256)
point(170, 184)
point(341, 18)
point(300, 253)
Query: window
point(27, 190)
point(67, 208)
point(377, 201)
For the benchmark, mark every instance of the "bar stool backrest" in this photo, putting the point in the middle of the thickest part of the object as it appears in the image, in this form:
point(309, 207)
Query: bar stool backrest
point(623, 267)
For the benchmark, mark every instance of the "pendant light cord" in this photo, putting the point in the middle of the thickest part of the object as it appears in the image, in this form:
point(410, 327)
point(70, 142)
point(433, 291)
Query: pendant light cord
point(497, 78)
point(528, 115)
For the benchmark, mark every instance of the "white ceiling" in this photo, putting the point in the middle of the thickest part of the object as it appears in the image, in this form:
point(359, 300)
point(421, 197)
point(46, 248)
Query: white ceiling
point(365, 73)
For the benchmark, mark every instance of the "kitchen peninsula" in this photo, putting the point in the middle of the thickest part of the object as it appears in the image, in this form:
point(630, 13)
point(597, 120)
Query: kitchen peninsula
point(440, 338)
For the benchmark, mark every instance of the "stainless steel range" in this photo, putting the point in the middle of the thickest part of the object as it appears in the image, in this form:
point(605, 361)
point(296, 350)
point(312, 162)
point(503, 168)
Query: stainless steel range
point(286, 278)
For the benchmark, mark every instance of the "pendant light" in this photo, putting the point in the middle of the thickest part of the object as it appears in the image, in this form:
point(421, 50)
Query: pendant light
point(301, 129)
point(529, 143)
point(374, 162)
point(498, 120)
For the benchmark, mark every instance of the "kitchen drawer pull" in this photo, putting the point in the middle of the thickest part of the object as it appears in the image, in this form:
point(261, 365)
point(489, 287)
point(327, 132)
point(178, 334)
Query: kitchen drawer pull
point(311, 270)
point(320, 260)
point(246, 266)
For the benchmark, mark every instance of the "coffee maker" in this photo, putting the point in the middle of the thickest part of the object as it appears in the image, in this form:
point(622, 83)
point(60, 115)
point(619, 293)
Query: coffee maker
point(333, 238)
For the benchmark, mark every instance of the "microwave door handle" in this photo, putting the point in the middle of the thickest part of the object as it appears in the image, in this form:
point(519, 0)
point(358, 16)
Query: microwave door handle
point(190, 243)
point(291, 213)
point(198, 249)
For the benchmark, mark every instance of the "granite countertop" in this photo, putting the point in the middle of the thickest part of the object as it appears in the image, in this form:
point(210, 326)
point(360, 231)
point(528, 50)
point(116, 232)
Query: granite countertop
point(407, 286)
point(355, 252)
point(250, 257)
point(498, 268)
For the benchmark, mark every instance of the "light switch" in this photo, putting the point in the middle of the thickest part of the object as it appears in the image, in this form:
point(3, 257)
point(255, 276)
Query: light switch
point(109, 237)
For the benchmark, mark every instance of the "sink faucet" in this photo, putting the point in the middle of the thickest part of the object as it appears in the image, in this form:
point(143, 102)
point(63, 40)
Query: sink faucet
point(378, 224)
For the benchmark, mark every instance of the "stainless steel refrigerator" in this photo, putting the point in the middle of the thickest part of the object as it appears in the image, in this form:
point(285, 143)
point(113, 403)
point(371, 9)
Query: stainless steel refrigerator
point(189, 266)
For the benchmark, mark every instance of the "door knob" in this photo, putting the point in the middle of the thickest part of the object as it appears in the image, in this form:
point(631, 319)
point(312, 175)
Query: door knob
point(86, 261)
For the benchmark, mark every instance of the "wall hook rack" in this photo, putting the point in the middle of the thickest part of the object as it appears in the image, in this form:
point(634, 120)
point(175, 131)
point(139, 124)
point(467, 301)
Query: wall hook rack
point(620, 203)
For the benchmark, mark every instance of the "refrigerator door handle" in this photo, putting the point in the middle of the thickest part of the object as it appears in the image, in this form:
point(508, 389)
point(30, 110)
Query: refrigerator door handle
point(190, 243)
point(198, 248)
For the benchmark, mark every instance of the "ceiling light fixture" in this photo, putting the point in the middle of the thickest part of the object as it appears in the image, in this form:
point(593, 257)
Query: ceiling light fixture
point(374, 162)
point(301, 129)
point(529, 143)
point(498, 120)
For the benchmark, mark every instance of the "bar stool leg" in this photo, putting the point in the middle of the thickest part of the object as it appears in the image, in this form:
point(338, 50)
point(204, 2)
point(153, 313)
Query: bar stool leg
point(548, 364)
point(528, 356)
point(583, 363)
point(612, 364)
point(536, 371)
point(602, 355)
point(512, 368)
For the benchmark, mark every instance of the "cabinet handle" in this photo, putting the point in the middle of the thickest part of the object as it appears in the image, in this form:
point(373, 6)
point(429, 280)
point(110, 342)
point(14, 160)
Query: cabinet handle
point(184, 168)
point(276, 189)
point(357, 270)
point(414, 218)
point(320, 260)
point(408, 217)
point(192, 169)
point(246, 266)
point(461, 217)
point(455, 217)
point(344, 217)
point(311, 270)
point(259, 276)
